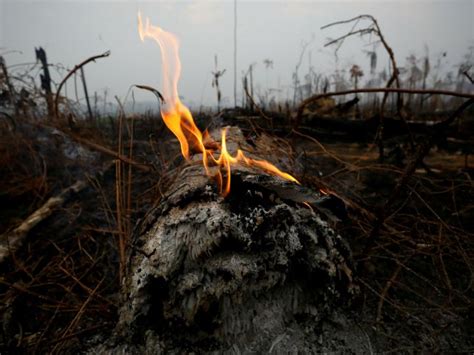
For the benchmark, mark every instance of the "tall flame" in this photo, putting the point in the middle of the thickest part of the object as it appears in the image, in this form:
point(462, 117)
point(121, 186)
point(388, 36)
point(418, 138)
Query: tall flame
point(179, 120)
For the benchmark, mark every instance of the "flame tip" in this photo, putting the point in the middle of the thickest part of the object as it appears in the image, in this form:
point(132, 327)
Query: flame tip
point(179, 119)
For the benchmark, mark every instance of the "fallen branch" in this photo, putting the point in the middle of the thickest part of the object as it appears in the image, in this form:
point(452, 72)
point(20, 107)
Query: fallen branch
point(111, 153)
point(11, 242)
point(314, 98)
point(101, 148)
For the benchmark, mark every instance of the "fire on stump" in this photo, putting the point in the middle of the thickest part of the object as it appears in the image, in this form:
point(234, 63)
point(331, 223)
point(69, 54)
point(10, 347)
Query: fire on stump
point(217, 271)
point(214, 273)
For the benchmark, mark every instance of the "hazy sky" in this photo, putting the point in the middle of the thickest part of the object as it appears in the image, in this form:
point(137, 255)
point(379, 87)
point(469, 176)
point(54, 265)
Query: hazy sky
point(71, 31)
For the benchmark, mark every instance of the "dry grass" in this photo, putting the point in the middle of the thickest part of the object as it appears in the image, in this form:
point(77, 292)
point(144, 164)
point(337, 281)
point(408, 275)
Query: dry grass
point(419, 271)
point(63, 285)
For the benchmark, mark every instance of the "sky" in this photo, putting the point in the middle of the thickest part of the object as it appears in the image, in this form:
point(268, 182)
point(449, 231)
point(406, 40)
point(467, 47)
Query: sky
point(71, 31)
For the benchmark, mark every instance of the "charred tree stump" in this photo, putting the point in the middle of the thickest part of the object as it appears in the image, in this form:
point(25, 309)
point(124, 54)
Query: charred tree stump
point(45, 80)
point(255, 271)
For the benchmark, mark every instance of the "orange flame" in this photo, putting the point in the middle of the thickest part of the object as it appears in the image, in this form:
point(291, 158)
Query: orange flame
point(179, 120)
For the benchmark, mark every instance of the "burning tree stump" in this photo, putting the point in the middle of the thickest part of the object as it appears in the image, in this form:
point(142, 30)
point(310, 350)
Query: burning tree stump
point(250, 272)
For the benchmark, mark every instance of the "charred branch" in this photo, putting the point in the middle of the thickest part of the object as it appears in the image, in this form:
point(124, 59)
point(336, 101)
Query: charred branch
point(312, 99)
point(76, 68)
point(45, 79)
point(11, 242)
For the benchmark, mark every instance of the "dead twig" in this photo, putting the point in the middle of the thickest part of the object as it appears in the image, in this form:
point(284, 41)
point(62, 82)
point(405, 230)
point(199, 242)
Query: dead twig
point(78, 316)
point(254, 104)
point(215, 83)
point(153, 90)
point(110, 152)
point(375, 29)
point(119, 194)
point(385, 290)
point(76, 67)
point(12, 125)
point(11, 241)
point(79, 332)
point(394, 78)
point(100, 148)
point(470, 78)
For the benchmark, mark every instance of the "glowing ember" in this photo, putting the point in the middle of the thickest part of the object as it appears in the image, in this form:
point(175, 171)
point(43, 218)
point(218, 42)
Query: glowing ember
point(179, 120)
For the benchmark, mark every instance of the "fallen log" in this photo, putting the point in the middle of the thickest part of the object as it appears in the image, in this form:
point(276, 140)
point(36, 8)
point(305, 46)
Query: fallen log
point(256, 271)
point(355, 130)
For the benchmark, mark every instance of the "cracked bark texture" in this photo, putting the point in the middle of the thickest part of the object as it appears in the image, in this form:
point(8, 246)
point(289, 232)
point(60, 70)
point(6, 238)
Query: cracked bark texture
point(256, 271)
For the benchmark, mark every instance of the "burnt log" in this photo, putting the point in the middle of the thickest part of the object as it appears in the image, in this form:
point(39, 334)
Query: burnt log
point(335, 125)
point(346, 129)
point(258, 270)
point(45, 79)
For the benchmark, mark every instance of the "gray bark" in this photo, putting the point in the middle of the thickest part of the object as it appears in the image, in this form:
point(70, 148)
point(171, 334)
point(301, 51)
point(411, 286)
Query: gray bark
point(256, 271)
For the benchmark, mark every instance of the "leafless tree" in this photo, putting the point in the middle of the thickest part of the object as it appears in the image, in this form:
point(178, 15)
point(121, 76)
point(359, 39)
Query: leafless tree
point(296, 80)
point(373, 28)
point(215, 82)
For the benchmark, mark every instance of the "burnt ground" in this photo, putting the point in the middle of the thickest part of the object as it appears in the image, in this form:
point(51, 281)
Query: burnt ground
point(61, 289)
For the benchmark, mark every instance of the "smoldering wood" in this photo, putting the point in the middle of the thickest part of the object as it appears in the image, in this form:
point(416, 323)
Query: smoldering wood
point(255, 271)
